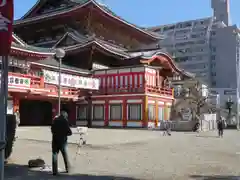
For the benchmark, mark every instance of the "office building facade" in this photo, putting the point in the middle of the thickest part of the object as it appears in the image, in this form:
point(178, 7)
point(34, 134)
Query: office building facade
point(207, 47)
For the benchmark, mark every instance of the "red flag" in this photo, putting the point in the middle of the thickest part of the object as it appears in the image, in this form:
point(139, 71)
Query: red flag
point(6, 26)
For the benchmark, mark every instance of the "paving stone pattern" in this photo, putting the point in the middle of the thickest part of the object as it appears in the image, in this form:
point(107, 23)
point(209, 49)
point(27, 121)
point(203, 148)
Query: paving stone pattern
point(133, 155)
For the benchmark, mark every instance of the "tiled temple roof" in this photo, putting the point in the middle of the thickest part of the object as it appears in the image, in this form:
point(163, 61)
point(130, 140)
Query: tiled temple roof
point(80, 4)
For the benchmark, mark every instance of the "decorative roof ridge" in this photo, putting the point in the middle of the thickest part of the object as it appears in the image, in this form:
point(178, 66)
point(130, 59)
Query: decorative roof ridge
point(155, 36)
point(32, 8)
point(111, 44)
point(146, 32)
point(51, 14)
point(99, 44)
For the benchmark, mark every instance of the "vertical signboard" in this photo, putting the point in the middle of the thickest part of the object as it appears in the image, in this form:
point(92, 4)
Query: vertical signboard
point(6, 26)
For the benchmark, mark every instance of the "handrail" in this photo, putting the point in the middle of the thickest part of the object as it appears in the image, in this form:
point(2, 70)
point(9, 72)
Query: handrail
point(134, 89)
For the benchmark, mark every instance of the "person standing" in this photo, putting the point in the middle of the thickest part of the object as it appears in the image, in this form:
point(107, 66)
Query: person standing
point(17, 116)
point(60, 132)
point(220, 126)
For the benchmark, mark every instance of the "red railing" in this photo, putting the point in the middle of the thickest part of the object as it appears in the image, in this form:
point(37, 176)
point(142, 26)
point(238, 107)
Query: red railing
point(134, 90)
point(159, 90)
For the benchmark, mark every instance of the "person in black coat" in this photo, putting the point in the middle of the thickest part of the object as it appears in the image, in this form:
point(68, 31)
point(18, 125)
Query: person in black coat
point(220, 126)
point(60, 132)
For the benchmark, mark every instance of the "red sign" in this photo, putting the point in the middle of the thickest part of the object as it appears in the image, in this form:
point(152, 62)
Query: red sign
point(6, 26)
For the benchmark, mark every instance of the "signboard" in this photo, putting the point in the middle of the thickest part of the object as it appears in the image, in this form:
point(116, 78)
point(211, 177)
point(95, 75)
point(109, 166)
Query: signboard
point(69, 80)
point(19, 81)
point(6, 21)
point(230, 92)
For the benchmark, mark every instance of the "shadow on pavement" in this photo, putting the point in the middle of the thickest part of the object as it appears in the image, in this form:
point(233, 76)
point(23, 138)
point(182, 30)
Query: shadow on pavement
point(216, 177)
point(20, 172)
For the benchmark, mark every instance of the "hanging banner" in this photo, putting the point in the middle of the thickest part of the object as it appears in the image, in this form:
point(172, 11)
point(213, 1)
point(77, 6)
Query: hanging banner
point(6, 26)
point(69, 80)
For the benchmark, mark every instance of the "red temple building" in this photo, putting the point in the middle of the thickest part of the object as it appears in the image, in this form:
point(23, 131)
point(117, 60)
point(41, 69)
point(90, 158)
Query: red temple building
point(118, 66)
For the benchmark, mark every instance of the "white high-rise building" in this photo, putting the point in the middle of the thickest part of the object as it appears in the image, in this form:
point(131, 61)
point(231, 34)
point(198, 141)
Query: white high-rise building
point(207, 47)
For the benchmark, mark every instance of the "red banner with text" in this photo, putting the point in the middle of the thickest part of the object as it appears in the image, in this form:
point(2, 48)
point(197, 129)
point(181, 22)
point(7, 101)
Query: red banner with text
point(6, 26)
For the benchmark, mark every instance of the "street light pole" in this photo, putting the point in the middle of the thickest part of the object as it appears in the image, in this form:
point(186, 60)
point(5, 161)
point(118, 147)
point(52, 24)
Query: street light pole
point(237, 79)
point(60, 53)
point(59, 85)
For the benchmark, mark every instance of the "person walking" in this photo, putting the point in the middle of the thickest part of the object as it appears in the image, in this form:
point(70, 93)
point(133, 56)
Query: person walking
point(17, 116)
point(220, 126)
point(167, 128)
point(60, 132)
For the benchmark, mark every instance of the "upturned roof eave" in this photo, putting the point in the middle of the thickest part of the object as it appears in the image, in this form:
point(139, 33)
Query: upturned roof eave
point(98, 45)
point(28, 20)
point(24, 47)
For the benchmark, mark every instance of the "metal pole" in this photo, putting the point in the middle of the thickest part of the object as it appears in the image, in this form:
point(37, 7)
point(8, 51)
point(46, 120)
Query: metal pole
point(3, 110)
point(237, 78)
point(59, 85)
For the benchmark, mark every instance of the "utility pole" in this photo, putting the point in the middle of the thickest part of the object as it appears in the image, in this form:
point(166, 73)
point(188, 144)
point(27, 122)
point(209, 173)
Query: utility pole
point(6, 22)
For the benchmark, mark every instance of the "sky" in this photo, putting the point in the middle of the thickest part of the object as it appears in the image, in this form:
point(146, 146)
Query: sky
point(147, 13)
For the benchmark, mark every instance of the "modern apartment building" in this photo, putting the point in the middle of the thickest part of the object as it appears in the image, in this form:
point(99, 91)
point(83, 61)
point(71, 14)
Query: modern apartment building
point(207, 47)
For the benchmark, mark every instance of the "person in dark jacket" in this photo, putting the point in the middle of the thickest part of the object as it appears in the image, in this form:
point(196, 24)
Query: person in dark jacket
point(220, 126)
point(60, 132)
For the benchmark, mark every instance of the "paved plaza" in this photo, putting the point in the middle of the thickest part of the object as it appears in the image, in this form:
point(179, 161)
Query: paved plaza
point(133, 155)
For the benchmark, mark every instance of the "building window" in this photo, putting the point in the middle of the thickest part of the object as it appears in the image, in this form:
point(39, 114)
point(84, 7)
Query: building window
point(134, 112)
point(160, 113)
point(98, 112)
point(213, 49)
point(213, 73)
point(151, 112)
point(82, 112)
point(115, 112)
point(213, 65)
point(213, 57)
point(214, 83)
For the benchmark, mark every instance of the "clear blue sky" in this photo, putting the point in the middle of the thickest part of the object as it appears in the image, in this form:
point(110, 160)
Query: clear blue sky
point(152, 12)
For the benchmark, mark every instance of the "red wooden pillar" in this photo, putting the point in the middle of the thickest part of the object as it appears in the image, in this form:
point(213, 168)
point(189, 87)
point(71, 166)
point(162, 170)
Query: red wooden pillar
point(145, 111)
point(42, 82)
point(15, 103)
point(124, 111)
point(106, 120)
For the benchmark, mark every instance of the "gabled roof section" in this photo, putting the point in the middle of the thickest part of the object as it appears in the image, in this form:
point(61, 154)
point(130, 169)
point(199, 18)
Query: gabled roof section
point(164, 57)
point(82, 4)
point(69, 35)
point(100, 45)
